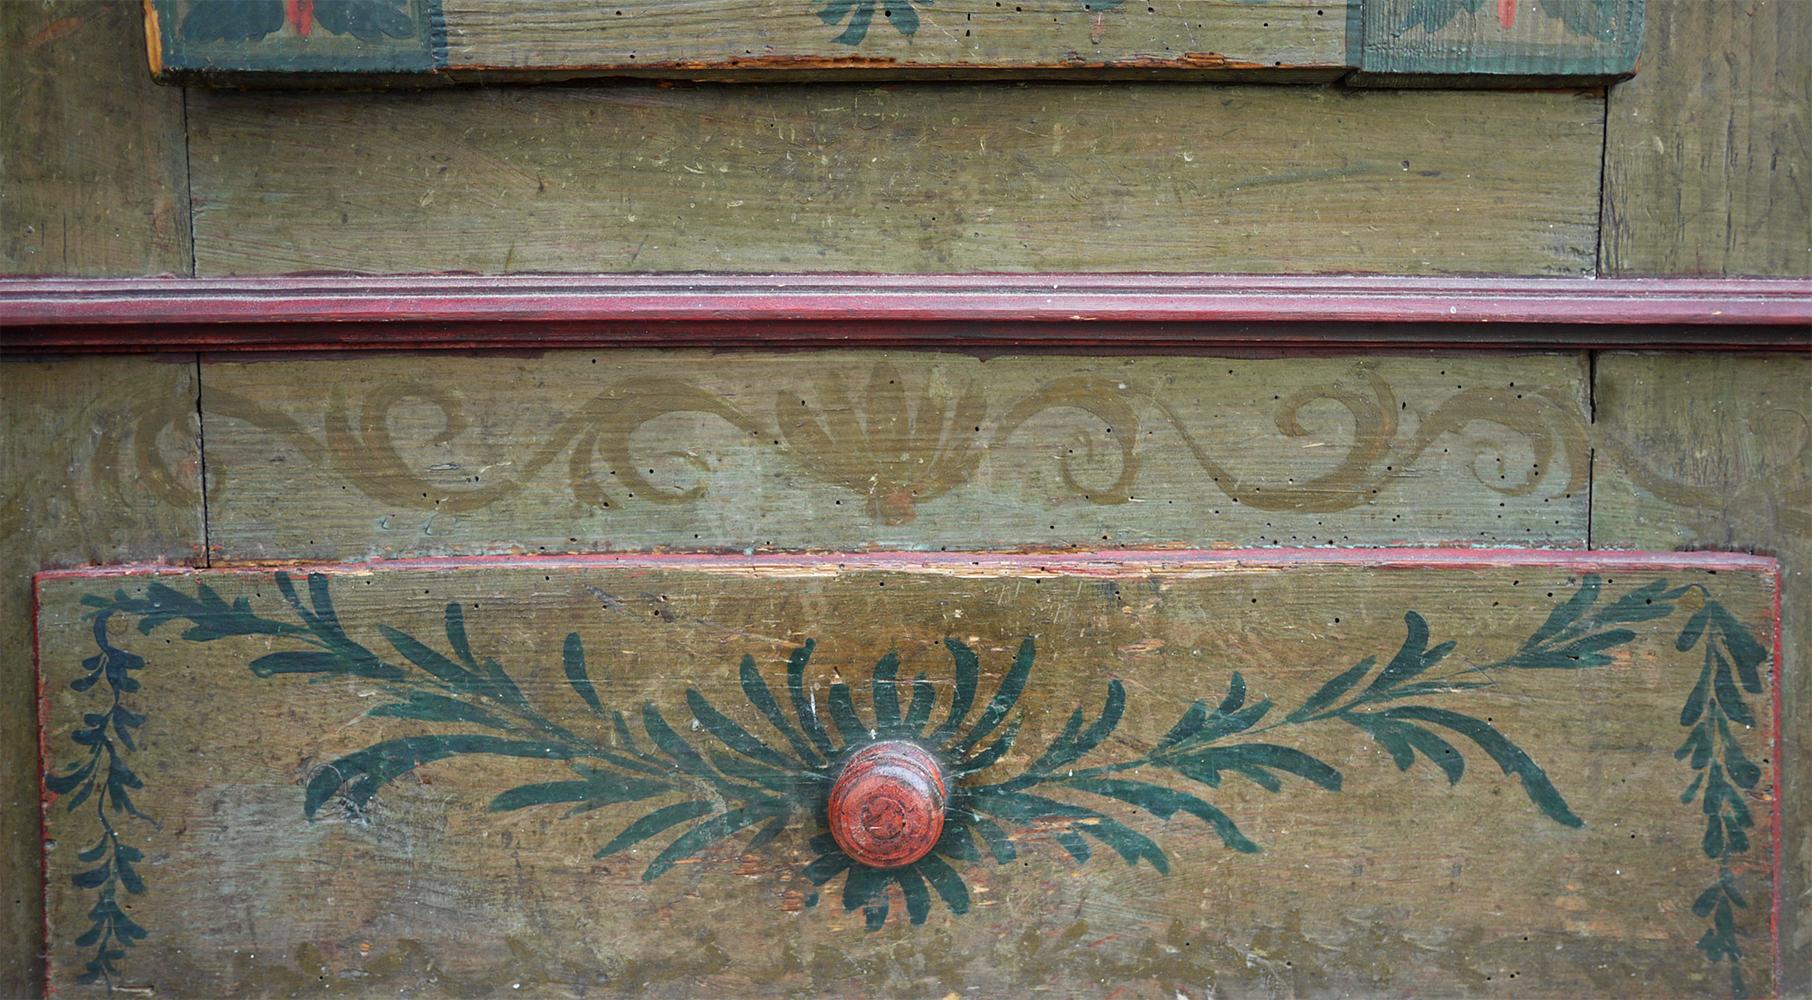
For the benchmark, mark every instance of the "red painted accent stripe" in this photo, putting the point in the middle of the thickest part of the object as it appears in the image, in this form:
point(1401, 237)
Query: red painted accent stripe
point(1179, 312)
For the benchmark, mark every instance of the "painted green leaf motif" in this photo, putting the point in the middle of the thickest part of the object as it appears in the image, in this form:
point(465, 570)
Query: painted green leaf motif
point(572, 657)
point(707, 833)
point(802, 706)
point(427, 706)
point(843, 714)
point(1332, 691)
point(968, 675)
point(658, 821)
point(303, 661)
point(357, 777)
point(730, 734)
point(756, 691)
point(1167, 802)
point(1714, 704)
point(718, 777)
point(597, 790)
point(1005, 697)
point(918, 714)
point(886, 695)
point(1508, 756)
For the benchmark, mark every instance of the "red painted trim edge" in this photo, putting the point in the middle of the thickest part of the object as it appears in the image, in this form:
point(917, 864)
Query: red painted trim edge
point(1058, 561)
point(1062, 311)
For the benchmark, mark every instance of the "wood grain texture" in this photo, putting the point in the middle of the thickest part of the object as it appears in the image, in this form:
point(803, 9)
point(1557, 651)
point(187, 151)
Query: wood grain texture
point(1703, 453)
point(575, 451)
point(93, 178)
point(1706, 162)
point(82, 480)
point(1519, 40)
point(1203, 38)
point(918, 178)
point(294, 837)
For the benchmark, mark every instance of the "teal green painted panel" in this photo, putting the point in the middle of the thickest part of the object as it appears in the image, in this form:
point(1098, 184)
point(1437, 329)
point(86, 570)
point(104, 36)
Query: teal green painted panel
point(1524, 38)
point(367, 37)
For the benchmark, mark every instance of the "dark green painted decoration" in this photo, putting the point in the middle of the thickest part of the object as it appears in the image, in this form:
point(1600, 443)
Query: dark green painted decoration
point(768, 765)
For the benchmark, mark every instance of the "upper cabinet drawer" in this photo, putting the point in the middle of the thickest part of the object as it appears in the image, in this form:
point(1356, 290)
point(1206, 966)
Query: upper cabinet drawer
point(1141, 774)
point(1454, 42)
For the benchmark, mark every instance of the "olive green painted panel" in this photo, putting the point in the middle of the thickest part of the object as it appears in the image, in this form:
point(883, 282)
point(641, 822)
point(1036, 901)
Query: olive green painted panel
point(93, 179)
point(881, 38)
point(1515, 39)
point(99, 462)
point(1166, 776)
point(578, 451)
point(1041, 177)
point(1708, 163)
point(1716, 452)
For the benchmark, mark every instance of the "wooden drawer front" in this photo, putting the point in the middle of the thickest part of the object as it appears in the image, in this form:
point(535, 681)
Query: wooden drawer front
point(1168, 774)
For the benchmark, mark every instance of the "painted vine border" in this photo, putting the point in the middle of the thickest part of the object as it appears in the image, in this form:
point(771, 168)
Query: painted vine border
point(739, 780)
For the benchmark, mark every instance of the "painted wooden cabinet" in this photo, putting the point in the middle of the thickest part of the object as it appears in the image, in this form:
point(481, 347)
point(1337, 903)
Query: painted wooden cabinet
point(904, 670)
point(891, 498)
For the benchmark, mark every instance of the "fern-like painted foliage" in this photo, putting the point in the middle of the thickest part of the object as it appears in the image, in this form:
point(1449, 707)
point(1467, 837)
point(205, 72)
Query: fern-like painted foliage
point(767, 766)
point(1731, 665)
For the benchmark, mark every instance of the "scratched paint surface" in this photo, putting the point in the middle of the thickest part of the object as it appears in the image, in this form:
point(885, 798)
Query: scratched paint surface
point(1172, 775)
point(879, 35)
point(577, 451)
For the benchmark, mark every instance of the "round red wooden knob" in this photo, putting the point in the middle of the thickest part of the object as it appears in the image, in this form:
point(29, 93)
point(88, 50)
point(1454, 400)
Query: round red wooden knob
point(887, 806)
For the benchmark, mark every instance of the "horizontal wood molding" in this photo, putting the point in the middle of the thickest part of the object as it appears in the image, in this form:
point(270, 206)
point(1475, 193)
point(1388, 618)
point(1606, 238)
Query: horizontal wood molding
point(424, 42)
point(964, 312)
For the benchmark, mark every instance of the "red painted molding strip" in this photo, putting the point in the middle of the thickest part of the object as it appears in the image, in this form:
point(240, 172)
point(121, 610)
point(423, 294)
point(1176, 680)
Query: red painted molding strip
point(969, 312)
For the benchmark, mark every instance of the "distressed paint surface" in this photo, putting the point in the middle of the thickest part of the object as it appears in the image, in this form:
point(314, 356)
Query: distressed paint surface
point(93, 178)
point(290, 37)
point(285, 832)
point(1512, 38)
point(69, 496)
point(1697, 452)
point(878, 38)
point(1707, 149)
point(1162, 177)
point(1462, 41)
point(576, 451)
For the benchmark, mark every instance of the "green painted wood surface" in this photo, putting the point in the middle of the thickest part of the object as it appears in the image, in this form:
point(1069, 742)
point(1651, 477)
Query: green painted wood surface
point(1708, 148)
point(1161, 177)
point(1698, 452)
point(1458, 42)
point(1517, 39)
point(414, 780)
point(237, 39)
point(810, 38)
point(99, 462)
point(92, 169)
point(579, 451)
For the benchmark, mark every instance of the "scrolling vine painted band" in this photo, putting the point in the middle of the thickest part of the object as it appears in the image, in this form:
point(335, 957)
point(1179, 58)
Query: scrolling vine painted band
point(1398, 771)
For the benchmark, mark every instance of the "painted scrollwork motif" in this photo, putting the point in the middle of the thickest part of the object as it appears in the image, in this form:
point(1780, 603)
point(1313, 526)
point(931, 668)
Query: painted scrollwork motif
point(897, 440)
